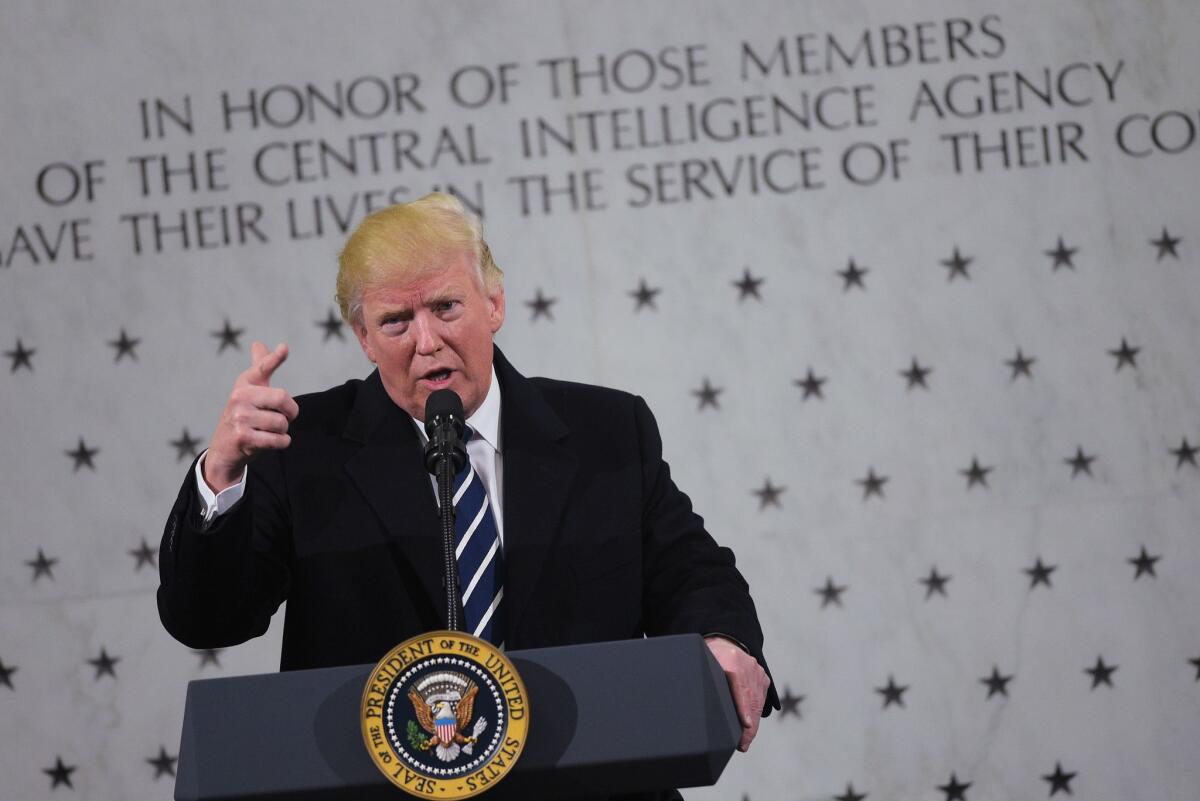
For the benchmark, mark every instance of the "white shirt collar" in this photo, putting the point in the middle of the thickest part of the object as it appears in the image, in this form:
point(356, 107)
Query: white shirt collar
point(486, 420)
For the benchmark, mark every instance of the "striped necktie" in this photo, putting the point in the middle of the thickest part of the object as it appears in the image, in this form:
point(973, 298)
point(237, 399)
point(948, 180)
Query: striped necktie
point(480, 560)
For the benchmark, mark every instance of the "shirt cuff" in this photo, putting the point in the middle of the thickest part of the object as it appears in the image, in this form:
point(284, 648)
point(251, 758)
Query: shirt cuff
point(213, 505)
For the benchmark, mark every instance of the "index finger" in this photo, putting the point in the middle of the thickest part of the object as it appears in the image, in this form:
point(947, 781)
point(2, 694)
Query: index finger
point(264, 363)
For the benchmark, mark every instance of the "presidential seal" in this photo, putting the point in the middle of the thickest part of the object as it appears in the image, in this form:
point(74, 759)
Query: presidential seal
point(444, 715)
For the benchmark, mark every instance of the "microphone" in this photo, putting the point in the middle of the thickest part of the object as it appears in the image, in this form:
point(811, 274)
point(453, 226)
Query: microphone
point(445, 455)
point(444, 423)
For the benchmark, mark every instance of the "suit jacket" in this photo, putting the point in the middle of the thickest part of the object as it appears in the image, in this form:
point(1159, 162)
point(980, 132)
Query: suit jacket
point(599, 543)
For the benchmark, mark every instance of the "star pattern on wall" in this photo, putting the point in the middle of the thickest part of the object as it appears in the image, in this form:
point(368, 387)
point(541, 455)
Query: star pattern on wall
point(935, 583)
point(976, 474)
point(1143, 564)
point(892, 692)
point(768, 495)
point(954, 789)
point(42, 566)
point(1185, 454)
point(228, 337)
point(6, 674)
point(1059, 779)
point(1062, 255)
point(163, 764)
point(644, 296)
point(996, 683)
point(853, 276)
point(1020, 365)
point(1040, 573)
point(540, 306)
point(20, 356)
point(144, 555)
point(850, 795)
point(707, 395)
point(830, 593)
point(748, 286)
point(811, 385)
point(82, 456)
point(1101, 673)
point(956, 265)
point(186, 447)
point(124, 345)
point(872, 483)
point(916, 375)
point(104, 664)
point(60, 773)
point(331, 327)
point(1125, 355)
point(1166, 245)
point(1080, 462)
point(789, 704)
point(209, 656)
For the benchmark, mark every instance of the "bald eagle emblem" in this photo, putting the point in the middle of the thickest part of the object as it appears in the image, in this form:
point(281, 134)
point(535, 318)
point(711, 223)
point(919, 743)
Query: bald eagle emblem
point(443, 703)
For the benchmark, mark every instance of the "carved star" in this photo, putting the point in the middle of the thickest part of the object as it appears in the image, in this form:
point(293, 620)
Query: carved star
point(872, 484)
point(42, 566)
point(935, 582)
point(124, 346)
point(996, 683)
point(707, 395)
point(1166, 245)
point(21, 357)
point(831, 593)
point(954, 790)
point(82, 456)
point(331, 327)
point(144, 555)
point(850, 795)
point(1059, 779)
point(811, 385)
point(104, 664)
point(1101, 673)
point(1040, 573)
point(1080, 463)
point(789, 704)
point(957, 265)
point(853, 276)
point(768, 495)
point(1195, 662)
point(209, 656)
point(1185, 454)
point(892, 693)
point(1144, 563)
point(1125, 355)
point(644, 296)
point(6, 674)
point(1062, 256)
point(228, 335)
point(186, 447)
point(976, 474)
point(748, 286)
point(164, 764)
point(540, 306)
point(916, 374)
point(1020, 365)
point(60, 773)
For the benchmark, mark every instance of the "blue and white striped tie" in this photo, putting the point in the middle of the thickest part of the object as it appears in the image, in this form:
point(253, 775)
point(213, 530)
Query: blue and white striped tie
point(480, 559)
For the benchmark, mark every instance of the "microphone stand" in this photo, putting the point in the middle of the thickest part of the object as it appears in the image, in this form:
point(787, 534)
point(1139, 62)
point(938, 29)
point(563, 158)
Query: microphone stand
point(445, 454)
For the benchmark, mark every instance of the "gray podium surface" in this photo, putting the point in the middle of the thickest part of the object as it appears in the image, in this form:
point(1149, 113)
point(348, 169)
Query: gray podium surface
point(605, 718)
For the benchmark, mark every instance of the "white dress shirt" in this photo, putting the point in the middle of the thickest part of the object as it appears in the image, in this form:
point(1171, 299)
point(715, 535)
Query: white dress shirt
point(483, 449)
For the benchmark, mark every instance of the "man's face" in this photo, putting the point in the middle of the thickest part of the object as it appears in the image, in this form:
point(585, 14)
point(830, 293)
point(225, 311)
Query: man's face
point(432, 332)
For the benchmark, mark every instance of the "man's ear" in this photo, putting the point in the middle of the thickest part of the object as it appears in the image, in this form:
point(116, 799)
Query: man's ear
point(360, 331)
point(496, 308)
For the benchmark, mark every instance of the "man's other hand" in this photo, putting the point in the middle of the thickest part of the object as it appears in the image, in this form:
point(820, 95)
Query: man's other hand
point(748, 683)
point(255, 418)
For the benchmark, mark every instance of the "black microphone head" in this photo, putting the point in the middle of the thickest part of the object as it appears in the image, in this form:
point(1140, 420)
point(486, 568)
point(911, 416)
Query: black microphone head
point(443, 404)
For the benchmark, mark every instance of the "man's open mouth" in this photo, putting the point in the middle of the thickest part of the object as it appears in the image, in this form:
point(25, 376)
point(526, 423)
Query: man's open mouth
point(437, 375)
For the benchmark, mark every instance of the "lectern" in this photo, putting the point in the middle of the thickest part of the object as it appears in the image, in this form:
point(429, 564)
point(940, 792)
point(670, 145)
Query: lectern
point(605, 718)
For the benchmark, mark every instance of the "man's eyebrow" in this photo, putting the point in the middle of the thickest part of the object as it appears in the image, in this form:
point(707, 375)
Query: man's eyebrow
point(394, 312)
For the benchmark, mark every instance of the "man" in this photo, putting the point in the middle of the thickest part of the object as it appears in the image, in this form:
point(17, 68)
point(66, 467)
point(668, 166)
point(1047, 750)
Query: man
point(323, 501)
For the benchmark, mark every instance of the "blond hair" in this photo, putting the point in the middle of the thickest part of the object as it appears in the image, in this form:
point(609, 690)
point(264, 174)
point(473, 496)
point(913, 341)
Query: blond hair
point(406, 241)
